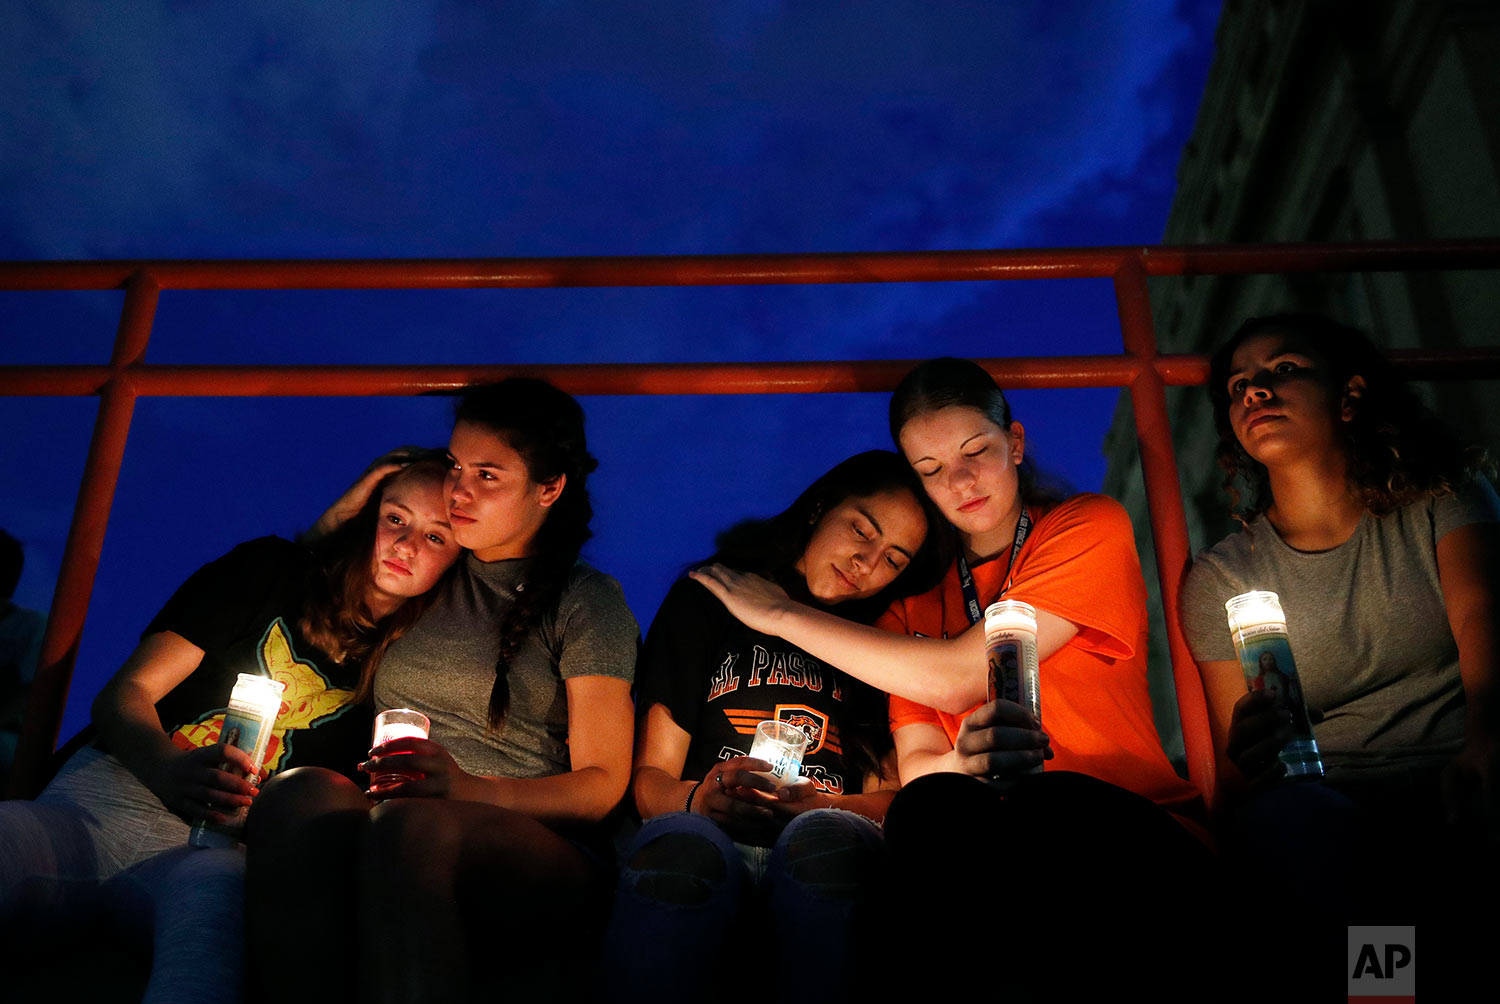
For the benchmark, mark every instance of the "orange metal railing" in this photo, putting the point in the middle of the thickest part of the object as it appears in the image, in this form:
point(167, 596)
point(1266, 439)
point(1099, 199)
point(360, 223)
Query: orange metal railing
point(1139, 367)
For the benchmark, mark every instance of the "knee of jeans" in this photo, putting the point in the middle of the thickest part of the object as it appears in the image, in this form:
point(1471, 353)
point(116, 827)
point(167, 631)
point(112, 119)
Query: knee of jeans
point(406, 827)
point(678, 869)
point(836, 854)
point(299, 796)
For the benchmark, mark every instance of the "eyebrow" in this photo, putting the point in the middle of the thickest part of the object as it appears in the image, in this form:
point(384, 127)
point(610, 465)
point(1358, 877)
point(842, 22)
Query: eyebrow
point(878, 531)
point(966, 442)
point(493, 465)
point(1286, 347)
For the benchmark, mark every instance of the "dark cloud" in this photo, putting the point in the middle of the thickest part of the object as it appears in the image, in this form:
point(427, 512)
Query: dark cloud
point(287, 129)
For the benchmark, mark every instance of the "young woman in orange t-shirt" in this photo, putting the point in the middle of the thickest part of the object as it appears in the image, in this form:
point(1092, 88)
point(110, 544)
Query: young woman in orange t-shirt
point(984, 827)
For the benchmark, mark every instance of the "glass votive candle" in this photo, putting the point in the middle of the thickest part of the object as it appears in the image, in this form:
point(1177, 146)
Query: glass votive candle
point(781, 745)
point(397, 723)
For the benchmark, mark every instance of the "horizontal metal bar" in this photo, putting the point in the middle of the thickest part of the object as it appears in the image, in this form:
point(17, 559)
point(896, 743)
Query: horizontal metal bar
point(722, 270)
point(660, 378)
point(590, 378)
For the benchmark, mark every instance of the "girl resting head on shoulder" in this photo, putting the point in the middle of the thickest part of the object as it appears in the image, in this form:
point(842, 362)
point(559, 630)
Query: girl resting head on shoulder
point(861, 536)
point(523, 664)
point(316, 619)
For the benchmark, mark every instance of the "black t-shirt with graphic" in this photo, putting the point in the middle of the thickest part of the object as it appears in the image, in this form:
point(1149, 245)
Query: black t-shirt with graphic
point(242, 611)
point(719, 679)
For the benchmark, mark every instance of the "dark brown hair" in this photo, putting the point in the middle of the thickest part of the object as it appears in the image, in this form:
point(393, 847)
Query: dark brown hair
point(545, 426)
point(772, 547)
point(1398, 450)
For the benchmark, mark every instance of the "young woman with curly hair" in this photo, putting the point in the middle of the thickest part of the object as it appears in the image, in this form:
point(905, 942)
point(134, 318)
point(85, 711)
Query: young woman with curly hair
point(1378, 530)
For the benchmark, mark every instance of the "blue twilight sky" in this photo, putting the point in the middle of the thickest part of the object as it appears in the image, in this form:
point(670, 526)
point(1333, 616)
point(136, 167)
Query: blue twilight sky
point(287, 129)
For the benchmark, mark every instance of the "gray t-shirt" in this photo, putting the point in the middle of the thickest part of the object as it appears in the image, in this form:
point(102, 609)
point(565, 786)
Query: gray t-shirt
point(1368, 628)
point(445, 666)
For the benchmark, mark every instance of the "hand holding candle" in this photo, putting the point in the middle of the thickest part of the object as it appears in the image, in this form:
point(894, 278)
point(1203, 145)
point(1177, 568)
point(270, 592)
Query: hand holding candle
point(254, 704)
point(1258, 626)
point(737, 794)
point(397, 723)
point(780, 745)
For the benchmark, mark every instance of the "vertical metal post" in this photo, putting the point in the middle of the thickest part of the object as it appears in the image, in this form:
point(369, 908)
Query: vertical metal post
point(1168, 520)
point(80, 561)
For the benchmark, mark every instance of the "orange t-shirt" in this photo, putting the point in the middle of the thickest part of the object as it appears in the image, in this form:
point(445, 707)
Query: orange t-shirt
point(1079, 562)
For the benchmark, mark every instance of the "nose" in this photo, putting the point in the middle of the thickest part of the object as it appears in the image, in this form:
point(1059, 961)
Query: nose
point(458, 491)
point(405, 546)
point(960, 477)
point(860, 561)
point(1257, 389)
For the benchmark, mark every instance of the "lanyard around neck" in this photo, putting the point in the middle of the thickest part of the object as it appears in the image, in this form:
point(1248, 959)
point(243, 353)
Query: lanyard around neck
point(966, 576)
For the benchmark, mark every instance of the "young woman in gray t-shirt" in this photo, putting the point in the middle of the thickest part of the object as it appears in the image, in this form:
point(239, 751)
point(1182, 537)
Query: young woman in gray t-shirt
point(1372, 522)
point(487, 861)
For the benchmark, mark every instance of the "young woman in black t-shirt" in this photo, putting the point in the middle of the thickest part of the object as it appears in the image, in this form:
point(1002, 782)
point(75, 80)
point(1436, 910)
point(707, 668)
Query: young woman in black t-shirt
point(859, 537)
point(318, 618)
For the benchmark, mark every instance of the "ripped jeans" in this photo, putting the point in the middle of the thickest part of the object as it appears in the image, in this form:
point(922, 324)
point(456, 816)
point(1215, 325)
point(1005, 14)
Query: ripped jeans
point(685, 888)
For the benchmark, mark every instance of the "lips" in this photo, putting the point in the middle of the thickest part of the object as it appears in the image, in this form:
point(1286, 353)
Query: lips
point(460, 518)
point(848, 582)
point(973, 504)
point(1261, 420)
point(396, 566)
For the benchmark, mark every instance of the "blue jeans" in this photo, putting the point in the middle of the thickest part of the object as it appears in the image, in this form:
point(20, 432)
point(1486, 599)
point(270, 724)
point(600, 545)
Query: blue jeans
point(93, 821)
point(685, 886)
point(99, 852)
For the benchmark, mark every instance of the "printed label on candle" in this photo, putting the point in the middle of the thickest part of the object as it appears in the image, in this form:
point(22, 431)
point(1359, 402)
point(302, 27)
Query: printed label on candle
point(1266, 662)
point(243, 731)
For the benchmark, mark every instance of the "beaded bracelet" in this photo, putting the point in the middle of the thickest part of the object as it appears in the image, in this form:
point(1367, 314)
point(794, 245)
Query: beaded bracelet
point(688, 806)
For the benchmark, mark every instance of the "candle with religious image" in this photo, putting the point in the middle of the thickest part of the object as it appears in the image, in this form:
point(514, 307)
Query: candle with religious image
point(249, 721)
point(1010, 651)
point(1258, 626)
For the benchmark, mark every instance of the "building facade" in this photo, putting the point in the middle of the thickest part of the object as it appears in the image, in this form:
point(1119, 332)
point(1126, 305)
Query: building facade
point(1327, 121)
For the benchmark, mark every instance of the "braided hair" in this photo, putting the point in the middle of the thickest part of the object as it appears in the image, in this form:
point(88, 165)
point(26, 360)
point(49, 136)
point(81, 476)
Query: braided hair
point(545, 426)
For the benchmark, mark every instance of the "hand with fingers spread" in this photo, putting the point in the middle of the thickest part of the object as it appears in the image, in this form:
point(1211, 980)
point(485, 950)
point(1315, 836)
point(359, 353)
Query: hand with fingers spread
point(1258, 729)
point(737, 795)
point(429, 768)
point(1002, 742)
point(756, 602)
point(209, 783)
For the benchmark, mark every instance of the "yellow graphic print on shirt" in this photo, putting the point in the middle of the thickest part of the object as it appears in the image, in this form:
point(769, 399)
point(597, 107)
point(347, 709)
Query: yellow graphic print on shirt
point(306, 700)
